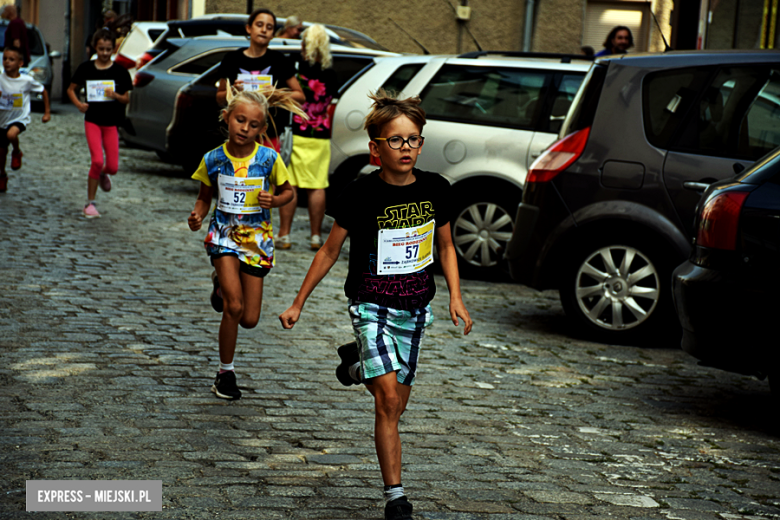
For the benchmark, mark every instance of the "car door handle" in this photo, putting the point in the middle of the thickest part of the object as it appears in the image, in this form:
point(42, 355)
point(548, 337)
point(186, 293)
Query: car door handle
point(697, 186)
point(534, 155)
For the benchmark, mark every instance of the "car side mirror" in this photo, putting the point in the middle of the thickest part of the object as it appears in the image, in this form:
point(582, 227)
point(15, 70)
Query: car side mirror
point(55, 54)
point(738, 168)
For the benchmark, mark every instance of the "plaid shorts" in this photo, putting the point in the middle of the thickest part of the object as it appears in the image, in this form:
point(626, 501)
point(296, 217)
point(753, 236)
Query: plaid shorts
point(389, 339)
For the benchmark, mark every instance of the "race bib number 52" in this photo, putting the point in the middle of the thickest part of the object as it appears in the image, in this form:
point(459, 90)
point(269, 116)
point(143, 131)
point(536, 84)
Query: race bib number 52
point(406, 250)
point(239, 195)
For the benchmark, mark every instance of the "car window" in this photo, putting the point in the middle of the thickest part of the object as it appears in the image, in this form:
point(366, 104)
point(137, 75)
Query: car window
point(562, 100)
point(200, 64)
point(738, 114)
point(401, 77)
point(347, 66)
point(155, 33)
point(486, 96)
point(666, 98)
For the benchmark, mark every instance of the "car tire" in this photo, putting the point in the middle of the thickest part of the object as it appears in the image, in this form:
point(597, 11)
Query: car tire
point(619, 290)
point(481, 228)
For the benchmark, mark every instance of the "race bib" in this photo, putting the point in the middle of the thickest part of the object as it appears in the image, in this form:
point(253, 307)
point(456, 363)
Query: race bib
point(96, 90)
point(11, 101)
point(253, 82)
point(406, 250)
point(239, 195)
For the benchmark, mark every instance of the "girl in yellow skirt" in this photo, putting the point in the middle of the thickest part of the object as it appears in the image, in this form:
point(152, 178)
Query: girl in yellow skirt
point(311, 138)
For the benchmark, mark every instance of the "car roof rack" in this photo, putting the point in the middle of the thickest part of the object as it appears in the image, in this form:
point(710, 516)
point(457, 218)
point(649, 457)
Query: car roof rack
point(565, 58)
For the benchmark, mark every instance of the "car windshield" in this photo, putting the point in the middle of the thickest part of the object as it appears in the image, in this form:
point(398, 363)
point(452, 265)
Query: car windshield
point(33, 40)
point(355, 39)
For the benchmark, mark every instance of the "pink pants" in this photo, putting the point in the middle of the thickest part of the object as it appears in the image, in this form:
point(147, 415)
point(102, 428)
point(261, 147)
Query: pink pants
point(98, 139)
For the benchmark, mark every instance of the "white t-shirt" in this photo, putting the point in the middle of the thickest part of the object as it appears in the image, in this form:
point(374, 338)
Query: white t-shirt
point(15, 99)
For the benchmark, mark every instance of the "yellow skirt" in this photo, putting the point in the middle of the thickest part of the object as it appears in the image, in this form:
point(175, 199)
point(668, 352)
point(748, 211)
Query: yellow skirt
point(309, 163)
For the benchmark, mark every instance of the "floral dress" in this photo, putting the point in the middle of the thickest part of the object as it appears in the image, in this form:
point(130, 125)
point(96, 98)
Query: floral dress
point(311, 137)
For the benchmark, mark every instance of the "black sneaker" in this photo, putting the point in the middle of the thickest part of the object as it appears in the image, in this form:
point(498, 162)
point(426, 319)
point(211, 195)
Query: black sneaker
point(225, 386)
point(349, 355)
point(216, 299)
point(398, 509)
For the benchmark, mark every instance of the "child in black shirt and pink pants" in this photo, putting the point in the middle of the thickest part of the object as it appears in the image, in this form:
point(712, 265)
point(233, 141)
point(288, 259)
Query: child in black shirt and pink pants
point(108, 88)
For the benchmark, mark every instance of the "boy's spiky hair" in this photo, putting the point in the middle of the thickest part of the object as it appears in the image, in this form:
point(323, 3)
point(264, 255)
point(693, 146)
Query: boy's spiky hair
point(268, 97)
point(386, 107)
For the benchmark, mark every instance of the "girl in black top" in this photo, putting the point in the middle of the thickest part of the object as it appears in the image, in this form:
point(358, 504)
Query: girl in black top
point(259, 60)
point(107, 85)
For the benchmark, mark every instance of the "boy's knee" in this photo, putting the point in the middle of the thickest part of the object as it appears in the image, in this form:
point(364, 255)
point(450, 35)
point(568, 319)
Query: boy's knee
point(390, 405)
point(110, 168)
point(249, 323)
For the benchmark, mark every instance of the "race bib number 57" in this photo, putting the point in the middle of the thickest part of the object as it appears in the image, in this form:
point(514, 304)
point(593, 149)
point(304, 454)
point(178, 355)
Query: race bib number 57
point(406, 250)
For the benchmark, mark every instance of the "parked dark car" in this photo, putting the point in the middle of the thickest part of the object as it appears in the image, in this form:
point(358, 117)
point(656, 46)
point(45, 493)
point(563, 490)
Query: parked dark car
point(235, 25)
point(194, 126)
point(726, 293)
point(607, 211)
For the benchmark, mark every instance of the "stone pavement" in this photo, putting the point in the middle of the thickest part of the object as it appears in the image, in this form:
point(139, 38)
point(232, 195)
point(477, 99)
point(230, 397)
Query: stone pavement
point(109, 349)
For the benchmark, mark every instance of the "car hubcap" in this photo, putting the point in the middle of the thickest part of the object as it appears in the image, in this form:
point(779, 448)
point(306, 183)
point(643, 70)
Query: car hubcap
point(617, 287)
point(481, 233)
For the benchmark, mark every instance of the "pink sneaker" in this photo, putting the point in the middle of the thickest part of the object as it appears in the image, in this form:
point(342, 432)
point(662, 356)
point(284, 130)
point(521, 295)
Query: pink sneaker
point(105, 182)
point(90, 211)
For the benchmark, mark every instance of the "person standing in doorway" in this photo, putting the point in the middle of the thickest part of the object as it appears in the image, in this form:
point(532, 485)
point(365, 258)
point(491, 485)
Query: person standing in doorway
point(618, 41)
point(16, 32)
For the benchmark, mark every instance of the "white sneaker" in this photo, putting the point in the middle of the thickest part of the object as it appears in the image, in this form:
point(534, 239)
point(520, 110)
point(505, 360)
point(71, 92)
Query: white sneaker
point(283, 242)
point(316, 242)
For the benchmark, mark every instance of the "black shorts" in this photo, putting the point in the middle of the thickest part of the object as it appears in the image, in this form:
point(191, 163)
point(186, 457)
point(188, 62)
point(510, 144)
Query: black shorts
point(4, 134)
point(251, 270)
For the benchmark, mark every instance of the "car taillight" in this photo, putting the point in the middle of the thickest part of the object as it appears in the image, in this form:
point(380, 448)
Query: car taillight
point(142, 79)
point(719, 220)
point(143, 60)
point(558, 157)
point(124, 61)
point(184, 101)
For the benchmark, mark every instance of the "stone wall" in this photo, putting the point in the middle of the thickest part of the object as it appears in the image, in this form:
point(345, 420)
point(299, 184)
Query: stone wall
point(496, 24)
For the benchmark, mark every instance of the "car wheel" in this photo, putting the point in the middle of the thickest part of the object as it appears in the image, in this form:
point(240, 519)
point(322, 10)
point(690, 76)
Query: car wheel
point(617, 291)
point(481, 229)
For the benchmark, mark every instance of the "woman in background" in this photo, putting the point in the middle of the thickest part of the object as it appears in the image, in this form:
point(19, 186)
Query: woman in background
point(311, 138)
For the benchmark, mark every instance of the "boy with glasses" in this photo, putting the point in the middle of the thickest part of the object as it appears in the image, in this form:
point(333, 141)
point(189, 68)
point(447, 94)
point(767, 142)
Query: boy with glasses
point(392, 217)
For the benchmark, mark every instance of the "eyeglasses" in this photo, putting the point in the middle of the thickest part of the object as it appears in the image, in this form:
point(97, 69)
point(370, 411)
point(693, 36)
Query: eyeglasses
point(397, 142)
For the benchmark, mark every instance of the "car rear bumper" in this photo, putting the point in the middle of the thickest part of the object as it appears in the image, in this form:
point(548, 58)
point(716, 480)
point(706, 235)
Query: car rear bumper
point(726, 320)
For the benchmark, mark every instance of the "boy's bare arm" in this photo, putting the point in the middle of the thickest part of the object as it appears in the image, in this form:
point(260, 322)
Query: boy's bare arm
point(449, 265)
point(46, 107)
point(323, 261)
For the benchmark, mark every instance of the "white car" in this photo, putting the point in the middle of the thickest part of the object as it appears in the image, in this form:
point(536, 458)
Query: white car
point(141, 37)
point(489, 115)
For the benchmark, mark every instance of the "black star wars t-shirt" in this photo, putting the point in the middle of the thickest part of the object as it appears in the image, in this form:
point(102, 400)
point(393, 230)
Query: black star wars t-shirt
point(370, 204)
point(272, 63)
point(104, 113)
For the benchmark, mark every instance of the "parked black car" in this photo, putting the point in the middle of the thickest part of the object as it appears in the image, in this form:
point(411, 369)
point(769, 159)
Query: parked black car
point(194, 127)
point(608, 210)
point(235, 25)
point(726, 293)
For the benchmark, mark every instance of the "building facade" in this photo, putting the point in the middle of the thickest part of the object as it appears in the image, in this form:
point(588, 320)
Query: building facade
point(447, 26)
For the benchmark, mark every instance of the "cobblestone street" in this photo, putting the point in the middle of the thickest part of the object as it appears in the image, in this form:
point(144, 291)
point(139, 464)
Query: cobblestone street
point(109, 348)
